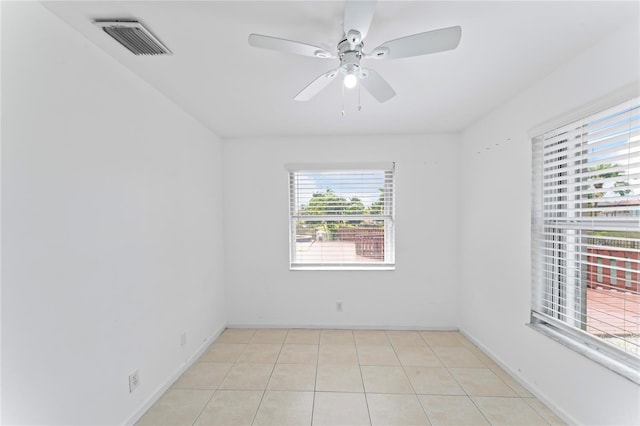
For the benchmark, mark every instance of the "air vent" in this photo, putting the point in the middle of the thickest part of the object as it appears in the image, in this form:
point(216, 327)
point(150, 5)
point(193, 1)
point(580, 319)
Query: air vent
point(134, 36)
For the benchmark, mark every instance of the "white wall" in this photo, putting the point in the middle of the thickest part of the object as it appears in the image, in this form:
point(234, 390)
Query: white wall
point(111, 223)
point(495, 237)
point(261, 290)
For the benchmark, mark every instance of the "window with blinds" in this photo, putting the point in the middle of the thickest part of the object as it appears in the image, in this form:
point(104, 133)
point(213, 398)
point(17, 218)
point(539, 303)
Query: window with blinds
point(586, 231)
point(342, 217)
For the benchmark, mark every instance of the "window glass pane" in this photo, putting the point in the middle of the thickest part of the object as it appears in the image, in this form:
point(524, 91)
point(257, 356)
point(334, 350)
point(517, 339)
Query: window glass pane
point(339, 241)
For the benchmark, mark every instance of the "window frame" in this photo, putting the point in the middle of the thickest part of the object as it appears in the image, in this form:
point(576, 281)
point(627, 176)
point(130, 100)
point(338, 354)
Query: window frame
point(388, 215)
point(619, 361)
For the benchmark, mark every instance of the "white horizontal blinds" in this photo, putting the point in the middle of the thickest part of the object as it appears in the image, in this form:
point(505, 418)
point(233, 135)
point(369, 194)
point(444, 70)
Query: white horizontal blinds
point(587, 226)
point(341, 217)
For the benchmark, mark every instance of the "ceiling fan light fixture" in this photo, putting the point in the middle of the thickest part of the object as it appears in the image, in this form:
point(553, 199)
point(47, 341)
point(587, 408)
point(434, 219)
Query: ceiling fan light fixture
point(350, 81)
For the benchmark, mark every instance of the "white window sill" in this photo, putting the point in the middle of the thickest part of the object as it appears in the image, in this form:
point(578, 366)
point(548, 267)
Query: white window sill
point(624, 367)
point(342, 268)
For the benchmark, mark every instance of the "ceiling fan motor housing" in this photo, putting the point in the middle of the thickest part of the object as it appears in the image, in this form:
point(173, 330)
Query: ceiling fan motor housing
point(349, 57)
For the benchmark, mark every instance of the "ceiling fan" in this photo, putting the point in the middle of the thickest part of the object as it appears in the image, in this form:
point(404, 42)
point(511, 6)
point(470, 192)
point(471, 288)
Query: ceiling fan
point(357, 20)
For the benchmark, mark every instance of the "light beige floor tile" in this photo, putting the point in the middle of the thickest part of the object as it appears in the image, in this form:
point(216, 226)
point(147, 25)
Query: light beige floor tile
point(223, 352)
point(452, 411)
point(520, 390)
point(552, 418)
point(340, 409)
point(417, 356)
point(230, 408)
point(383, 379)
point(339, 378)
point(433, 380)
point(284, 408)
point(236, 335)
point(329, 362)
point(269, 335)
point(298, 354)
point(397, 410)
point(337, 354)
point(477, 352)
point(508, 411)
point(177, 407)
point(260, 353)
point(481, 382)
point(371, 337)
point(247, 377)
point(489, 363)
point(443, 339)
point(336, 337)
point(293, 377)
point(465, 342)
point(303, 336)
point(458, 357)
point(377, 355)
point(405, 338)
point(203, 375)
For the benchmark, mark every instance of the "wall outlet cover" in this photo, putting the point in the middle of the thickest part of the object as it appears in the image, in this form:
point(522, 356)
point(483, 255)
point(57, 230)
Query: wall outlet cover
point(134, 381)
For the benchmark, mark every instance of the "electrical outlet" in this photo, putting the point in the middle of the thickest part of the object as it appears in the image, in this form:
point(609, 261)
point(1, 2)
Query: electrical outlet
point(339, 306)
point(134, 381)
point(183, 339)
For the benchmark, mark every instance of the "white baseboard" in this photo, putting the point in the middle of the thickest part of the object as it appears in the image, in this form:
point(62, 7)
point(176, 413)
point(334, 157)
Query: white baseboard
point(342, 327)
point(155, 396)
point(517, 377)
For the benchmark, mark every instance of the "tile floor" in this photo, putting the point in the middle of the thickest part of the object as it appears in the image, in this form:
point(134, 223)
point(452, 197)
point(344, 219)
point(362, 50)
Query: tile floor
point(346, 377)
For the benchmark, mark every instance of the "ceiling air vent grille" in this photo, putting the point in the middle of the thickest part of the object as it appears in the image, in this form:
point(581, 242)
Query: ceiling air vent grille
point(134, 36)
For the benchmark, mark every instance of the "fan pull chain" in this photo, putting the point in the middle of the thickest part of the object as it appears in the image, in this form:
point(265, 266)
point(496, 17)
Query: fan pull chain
point(359, 102)
point(342, 112)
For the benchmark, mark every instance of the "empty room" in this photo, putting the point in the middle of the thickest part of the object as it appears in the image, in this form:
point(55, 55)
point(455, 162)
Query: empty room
point(320, 213)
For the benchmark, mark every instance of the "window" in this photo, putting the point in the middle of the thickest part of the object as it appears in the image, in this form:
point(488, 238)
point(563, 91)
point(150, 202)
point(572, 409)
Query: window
point(341, 217)
point(586, 234)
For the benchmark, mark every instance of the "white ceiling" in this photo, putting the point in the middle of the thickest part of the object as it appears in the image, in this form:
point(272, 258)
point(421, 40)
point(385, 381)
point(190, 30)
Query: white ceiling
point(237, 90)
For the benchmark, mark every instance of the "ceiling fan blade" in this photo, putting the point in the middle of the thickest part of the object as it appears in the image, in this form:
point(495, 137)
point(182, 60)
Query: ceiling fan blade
point(358, 16)
point(316, 86)
point(419, 44)
point(376, 85)
point(289, 46)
